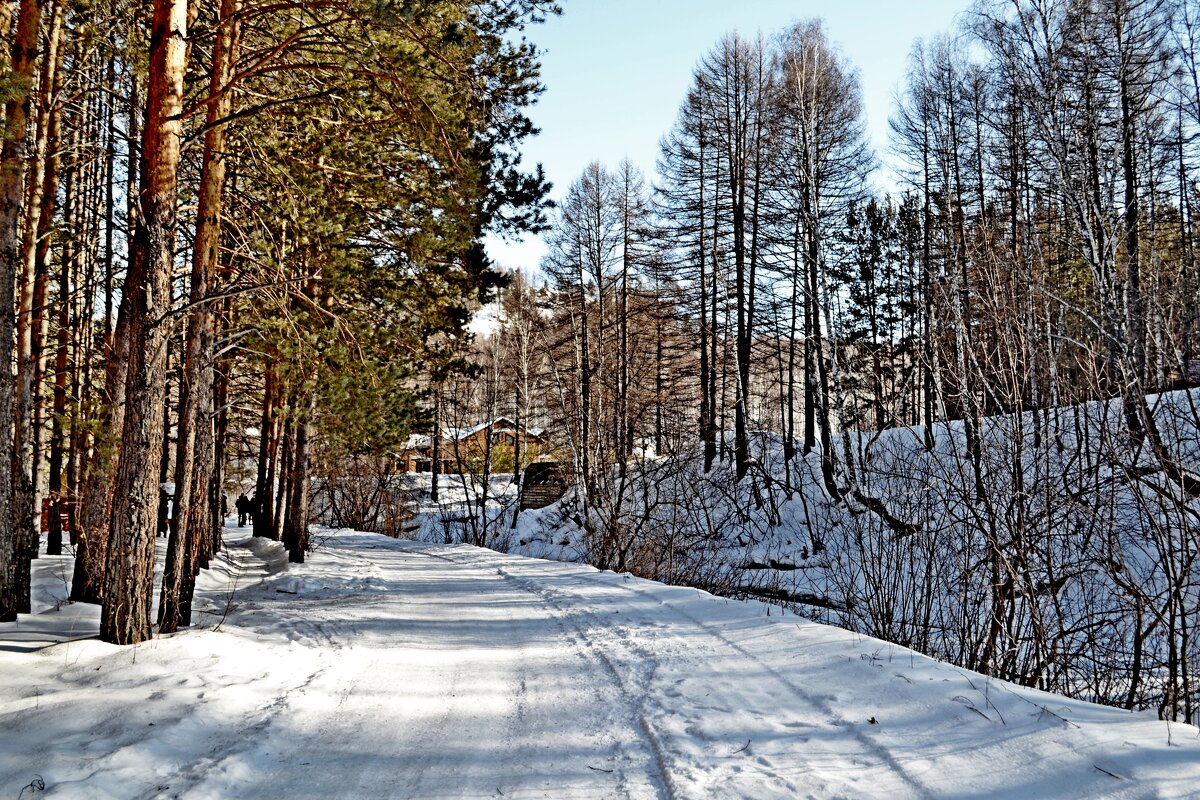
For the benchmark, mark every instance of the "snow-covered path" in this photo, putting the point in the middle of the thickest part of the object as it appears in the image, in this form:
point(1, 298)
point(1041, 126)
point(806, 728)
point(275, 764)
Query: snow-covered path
point(432, 678)
point(395, 669)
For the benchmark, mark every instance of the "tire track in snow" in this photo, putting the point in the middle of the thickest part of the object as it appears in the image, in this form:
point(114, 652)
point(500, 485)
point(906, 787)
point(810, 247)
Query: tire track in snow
point(637, 698)
point(634, 699)
point(868, 743)
point(660, 775)
point(417, 751)
point(538, 585)
point(518, 721)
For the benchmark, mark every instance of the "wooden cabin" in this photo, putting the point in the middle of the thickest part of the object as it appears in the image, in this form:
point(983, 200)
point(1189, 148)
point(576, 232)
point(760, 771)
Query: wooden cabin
point(468, 447)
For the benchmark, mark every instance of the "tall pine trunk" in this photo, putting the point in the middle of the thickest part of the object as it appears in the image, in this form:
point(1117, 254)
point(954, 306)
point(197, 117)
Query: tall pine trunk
point(295, 527)
point(14, 552)
point(100, 470)
point(281, 464)
point(220, 436)
point(37, 254)
point(125, 618)
point(24, 452)
point(435, 441)
point(193, 453)
point(264, 515)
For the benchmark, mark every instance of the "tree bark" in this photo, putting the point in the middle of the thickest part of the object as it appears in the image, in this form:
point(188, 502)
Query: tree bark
point(264, 515)
point(295, 530)
point(435, 441)
point(281, 464)
point(193, 452)
point(100, 471)
point(24, 452)
point(125, 618)
point(220, 435)
point(14, 553)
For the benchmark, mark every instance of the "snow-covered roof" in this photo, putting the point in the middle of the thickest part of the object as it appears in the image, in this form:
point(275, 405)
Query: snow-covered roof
point(498, 425)
point(418, 441)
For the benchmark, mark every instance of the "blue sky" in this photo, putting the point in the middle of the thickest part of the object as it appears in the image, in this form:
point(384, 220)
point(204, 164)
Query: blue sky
point(615, 72)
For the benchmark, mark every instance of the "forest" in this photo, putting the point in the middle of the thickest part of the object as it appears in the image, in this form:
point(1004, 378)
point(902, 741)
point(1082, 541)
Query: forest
point(216, 214)
point(953, 413)
point(241, 242)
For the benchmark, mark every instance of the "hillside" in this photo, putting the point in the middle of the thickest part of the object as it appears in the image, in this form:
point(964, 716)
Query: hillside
point(385, 668)
point(1070, 564)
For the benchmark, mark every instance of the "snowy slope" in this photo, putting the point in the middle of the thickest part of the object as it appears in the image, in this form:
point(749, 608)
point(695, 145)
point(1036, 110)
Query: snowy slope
point(386, 668)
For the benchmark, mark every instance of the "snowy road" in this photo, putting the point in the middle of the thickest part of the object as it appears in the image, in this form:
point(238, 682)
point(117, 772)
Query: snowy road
point(396, 669)
point(433, 678)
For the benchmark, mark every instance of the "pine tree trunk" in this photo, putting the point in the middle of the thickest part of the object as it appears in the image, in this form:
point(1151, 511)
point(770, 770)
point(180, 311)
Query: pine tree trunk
point(24, 452)
point(14, 551)
point(435, 466)
point(189, 523)
point(220, 435)
point(41, 227)
point(100, 471)
point(68, 260)
point(125, 618)
point(58, 443)
point(282, 465)
point(295, 532)
point(110, 157)
point(264, 516)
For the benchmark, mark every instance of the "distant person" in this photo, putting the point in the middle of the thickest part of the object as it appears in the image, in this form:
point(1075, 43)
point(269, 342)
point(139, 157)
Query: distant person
point(252, 507)
point(164, 511)
point(243, 508)
point(224, 505)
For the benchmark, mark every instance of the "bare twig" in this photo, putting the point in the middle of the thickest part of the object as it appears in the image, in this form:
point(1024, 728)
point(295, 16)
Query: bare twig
point(36, 785)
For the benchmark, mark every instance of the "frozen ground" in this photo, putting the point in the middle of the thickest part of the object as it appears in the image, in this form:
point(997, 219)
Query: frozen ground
point(386, 668)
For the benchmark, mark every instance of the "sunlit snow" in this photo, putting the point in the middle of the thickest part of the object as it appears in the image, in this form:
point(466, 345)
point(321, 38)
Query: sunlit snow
point(385, 668)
